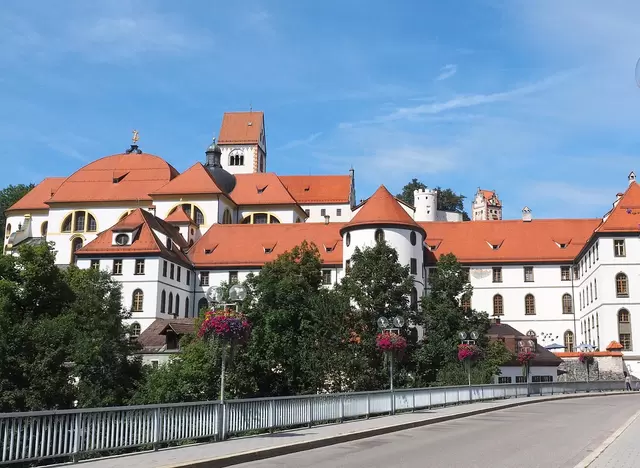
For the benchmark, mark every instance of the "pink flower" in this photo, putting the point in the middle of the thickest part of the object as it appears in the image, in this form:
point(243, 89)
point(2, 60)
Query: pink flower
point(388, 341)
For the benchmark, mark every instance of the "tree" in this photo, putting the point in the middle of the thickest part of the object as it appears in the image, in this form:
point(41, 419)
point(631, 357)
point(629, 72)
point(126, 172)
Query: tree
point(444, 317)
point(377, 286)
point(10, 195)
point(447, 199)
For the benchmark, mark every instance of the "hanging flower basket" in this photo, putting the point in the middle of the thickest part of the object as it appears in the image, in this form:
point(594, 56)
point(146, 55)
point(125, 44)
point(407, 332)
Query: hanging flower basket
point(468, 352)
point(226, 324)
point(586, 358)
point(525, 357)
point(390, 342)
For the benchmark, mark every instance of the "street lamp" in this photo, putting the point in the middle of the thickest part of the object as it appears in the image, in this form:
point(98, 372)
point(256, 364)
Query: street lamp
point(472, 341)
point(586, 348)
point(215, 295)
point(391, 326)
point(526, 348)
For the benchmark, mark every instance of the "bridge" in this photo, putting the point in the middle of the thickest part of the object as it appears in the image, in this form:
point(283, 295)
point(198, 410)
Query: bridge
point(431, 417)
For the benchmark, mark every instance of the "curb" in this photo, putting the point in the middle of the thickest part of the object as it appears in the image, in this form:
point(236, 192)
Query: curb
point(261, 454)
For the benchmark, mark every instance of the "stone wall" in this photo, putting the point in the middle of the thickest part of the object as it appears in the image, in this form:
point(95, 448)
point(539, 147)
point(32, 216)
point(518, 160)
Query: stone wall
point(603, 368)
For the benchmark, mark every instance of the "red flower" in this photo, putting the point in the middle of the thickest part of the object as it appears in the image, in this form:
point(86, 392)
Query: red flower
point(525, 357)
point(586, 358)
point(226, 324)
point(467, 351)
point(390, 342)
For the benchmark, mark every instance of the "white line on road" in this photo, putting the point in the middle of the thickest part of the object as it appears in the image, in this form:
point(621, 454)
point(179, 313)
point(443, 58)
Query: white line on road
point(589, 459)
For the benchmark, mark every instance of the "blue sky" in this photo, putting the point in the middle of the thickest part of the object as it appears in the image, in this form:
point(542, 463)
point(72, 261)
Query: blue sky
point(536, 100)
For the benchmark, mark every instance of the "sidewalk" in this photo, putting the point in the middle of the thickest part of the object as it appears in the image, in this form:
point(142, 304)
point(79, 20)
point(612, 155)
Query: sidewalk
point(624, 451)
point(246, 449)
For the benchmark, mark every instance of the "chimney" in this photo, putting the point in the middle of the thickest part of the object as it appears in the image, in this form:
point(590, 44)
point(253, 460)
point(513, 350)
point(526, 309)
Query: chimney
point(326, 219)
point(632, 177)
point(526, 214)
point(496, 320)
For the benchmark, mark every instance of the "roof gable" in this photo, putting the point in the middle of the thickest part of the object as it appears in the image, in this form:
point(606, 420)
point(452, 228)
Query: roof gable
point(380, 209)
point(195, 180)
point(179, 216)
point(318, 189)
point(625, 215)
point(260, 189)
point(241, 128)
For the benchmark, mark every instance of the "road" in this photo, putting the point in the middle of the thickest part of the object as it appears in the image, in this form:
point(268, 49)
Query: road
point(554, 434)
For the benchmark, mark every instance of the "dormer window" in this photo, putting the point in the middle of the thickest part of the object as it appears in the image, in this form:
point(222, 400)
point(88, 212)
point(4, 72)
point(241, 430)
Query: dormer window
point(169, 243)
point(261, 189)
point(121, 239)
point(268, 250)
point(562, 246)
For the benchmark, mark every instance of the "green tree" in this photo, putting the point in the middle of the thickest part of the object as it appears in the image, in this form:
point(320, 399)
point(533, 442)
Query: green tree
point(377, 286)
point(447, 200)
point(444, 317)
point(10, 195)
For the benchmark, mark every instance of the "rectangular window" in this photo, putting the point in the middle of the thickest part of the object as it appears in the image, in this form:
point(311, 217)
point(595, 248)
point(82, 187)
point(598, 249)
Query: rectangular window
point(233, 277)
point(618, 248)
point(465, 274)
point(79, 221)
point(597, 254)
point(497, 274)
point(92, 226)
point(576, 272)
point(565, 273)
point(178, 274)
point(432, 274)
point(117, 267)
point(95, 264)
point(347, 266)
point(414, 266)
point(323, 212)
point(541, 378)
point(171, 271)
point(204, 278)
point(504, 380)
point(528, 274)
point(339, 212)
point(139, 266)
point(326, 277)
point(188, 277)
point(520, 379)
point(625, 341)
point(164, 268)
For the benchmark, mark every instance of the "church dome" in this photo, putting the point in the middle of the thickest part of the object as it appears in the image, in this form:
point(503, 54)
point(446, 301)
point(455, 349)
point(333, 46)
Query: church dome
point(120, 177)
point(223, 179)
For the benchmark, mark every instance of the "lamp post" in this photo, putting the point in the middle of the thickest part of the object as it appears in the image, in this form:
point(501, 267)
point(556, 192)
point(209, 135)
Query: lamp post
point(391, 326)
point(526, 348)
point(468, 340)
point(215, 295)
point(586, 348)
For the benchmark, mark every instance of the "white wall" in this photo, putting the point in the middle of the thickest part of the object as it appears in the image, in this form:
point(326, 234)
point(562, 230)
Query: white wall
point(331, 210)
point(13, 220)
point(516, 371)
point(250, 153)
point(286, 214)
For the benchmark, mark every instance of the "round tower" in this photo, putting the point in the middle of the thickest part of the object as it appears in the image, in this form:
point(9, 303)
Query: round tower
point(425, 202)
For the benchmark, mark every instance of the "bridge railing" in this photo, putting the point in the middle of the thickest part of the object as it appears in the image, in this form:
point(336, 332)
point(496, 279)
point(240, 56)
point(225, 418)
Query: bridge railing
point(77, 433)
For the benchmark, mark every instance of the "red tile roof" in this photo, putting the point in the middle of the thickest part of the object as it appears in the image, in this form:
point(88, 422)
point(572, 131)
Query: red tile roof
point(519, 241)
point(244, 244)
point(144, 242)
point(38, 196)
point(194, 181)
point(318, 189)
point(179, 216)
point(152, 338)
point(241, 128)
point(382, 208)
point(489, 194)
point(625, 216)
point(121, 177)
point(260, 189)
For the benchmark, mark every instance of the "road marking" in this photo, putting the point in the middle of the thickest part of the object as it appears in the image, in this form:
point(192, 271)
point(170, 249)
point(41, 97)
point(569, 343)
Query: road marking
point(589, 459)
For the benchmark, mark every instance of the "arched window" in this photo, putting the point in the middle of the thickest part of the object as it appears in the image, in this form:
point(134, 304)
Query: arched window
point(529, 305)
point(193, 212)
point(79, 221)
point(624, 330)
point(76, 244)
point(202, 305)
point(163, 301)
point(260, 218)
point(348, 239)
point(198, 216)
point(8, 231)
point(134, 330)
point(170, 304)
point(465, 302)
point(414, 299)
point(567, 304)
point(177, 313)
point(226, 217)
point(622, 285)
point(412, 238)
point(568, 341)
point(379, 235)
point(44, 227)
point(137, 300)
point(498, 306)
point(186, 307)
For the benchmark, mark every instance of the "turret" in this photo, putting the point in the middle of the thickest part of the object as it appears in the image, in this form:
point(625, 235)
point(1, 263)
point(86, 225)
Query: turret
point(425, 202)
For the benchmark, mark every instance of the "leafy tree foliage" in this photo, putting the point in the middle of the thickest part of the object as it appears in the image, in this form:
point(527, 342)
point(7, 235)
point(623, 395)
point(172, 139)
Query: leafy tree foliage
point(377, 286)
point(10, 195)
point(448, 200)
point(58, 326)
point(444, 317)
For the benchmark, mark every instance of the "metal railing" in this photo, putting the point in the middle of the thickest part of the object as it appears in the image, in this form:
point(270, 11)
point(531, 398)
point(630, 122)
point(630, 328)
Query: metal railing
point(72, 434)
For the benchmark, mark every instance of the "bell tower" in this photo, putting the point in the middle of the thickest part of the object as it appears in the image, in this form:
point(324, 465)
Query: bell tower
point(243, 142)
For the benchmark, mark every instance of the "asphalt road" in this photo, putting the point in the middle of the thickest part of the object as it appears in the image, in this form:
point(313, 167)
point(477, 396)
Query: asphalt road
point(555, 434)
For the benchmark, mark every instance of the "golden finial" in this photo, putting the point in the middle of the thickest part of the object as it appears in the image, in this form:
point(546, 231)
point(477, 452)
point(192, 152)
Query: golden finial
point(135, 137)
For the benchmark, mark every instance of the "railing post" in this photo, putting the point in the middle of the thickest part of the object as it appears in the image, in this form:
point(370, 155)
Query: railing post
point(272, 416)
point(341, 408)
point(76, 436)
point(413, 402)
point(222, 420)
point(156, 428)
point(310, 411)
point(368, 405)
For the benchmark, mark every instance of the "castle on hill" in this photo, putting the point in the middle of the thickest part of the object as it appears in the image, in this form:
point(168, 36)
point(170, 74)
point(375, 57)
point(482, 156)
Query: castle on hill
point(168, 236)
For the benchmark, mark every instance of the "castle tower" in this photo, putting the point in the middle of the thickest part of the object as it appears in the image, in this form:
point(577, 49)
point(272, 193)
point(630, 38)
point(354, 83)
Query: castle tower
point(243, 142)
point(425, 202)
point(486, 206)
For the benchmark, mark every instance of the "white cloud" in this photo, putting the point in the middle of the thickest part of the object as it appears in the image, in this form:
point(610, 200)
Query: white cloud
point(301, 142)
point(447, 72)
